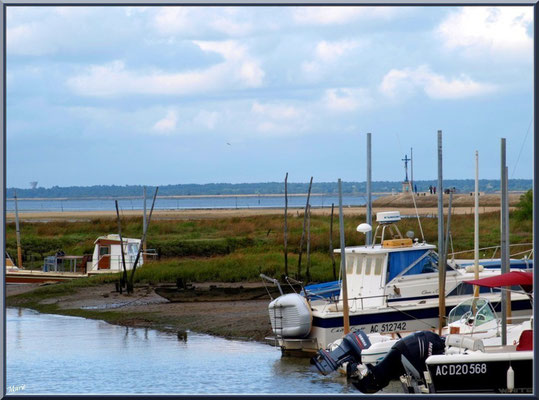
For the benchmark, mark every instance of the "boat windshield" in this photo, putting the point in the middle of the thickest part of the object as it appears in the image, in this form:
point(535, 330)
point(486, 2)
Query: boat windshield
point(478, 310)
point(414, 262)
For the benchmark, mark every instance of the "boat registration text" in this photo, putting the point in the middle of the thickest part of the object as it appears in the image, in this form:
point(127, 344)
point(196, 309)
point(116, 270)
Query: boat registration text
point(461, 369)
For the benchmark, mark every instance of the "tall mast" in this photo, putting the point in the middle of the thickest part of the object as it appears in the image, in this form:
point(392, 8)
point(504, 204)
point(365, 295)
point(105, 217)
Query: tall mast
point(476, 224)
point(441, 251)
point(346, 314)
point(368, 237)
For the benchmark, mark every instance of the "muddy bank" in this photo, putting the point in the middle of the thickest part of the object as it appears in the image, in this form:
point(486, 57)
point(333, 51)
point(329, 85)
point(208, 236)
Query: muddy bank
point(246, 320)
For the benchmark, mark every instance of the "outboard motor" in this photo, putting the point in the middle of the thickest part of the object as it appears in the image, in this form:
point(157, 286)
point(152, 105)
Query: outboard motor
point(348, 351)
point(412, 350)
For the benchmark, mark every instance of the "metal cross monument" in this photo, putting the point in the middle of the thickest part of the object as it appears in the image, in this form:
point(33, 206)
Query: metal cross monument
point(406, 159)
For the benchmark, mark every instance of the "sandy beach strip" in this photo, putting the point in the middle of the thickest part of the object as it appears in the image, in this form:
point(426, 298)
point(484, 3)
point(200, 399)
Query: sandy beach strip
point(227, 213)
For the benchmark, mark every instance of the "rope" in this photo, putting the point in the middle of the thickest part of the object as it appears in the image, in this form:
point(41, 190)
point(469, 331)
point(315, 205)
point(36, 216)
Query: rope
point(521, 148)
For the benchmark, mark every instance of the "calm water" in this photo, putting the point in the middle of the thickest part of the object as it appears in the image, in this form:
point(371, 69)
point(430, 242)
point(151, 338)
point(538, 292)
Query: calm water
point(183, 203)
point(58, 354)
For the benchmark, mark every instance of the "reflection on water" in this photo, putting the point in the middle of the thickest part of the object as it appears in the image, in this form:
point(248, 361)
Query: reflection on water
point(58, 354)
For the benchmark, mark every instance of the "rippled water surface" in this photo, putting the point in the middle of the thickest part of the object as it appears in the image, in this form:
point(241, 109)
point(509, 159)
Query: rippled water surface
point(58, 354)
point(206, 202)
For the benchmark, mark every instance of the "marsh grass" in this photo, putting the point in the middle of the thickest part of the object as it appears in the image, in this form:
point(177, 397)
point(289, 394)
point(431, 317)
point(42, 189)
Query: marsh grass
point(237, 249)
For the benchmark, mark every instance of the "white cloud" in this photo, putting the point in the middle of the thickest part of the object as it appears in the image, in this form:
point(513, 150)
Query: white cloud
point(326, 55)
point(338, 14)
point(173, 20)
point(346, 99)
point(167, 124)
point(402, 83)
point(503, 31)
point(330, 51)
point(231, 27)
point(275, 111)
point(238, 70)
point(278, 119)
point(191, 20)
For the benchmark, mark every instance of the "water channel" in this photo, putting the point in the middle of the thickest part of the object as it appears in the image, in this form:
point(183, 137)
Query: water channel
point(69, 355)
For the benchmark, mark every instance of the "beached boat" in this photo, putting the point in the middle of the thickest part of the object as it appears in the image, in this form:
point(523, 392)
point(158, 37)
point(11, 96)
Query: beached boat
point(105, 259)
point(217, 292)
point(15, 275)
point(107, 256)
point(392, 288)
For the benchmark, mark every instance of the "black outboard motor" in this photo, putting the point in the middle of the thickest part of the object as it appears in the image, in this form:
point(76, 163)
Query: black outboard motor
point(348, 351)
point(413, 349)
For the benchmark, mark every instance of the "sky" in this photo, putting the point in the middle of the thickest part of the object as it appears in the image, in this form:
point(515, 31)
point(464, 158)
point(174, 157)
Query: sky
point(172, 95)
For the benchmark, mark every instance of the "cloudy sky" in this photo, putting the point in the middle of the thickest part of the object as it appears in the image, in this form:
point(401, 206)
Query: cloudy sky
point(166, 95)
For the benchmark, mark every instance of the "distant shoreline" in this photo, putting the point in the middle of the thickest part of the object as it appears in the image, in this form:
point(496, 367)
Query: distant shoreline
point(189, 196)
point(199, 196)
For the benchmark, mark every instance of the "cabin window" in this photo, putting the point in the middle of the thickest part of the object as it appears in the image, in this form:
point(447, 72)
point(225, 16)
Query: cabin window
point(378, 265)
point(103, 250)
point(467, 289)
point(350, 261)
point(368, 266)
point(360, 260)
point(132, 248)
point(400, 260)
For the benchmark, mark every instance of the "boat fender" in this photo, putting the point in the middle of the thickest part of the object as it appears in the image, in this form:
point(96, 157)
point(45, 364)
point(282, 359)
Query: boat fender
point(510, 379)
point(471, 268)
point(464, 342)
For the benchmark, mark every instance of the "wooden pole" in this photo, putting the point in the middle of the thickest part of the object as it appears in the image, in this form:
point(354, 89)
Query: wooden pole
point(308, 272)
point(346, 313)
point(286, 225)
point(121, 240)
point(132, 277)
point(144, 221)
point(447, 231)
point(476, 224)
point(303, 231)
point(18, 232)
point(331, 253)
point(503, 238)
point(507, 242)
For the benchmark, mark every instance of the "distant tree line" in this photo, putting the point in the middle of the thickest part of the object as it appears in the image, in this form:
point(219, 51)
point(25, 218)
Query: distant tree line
point(212, 189)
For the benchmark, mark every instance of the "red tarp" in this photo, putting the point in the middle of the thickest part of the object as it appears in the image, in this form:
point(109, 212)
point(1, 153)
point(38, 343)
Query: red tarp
point(524, 279)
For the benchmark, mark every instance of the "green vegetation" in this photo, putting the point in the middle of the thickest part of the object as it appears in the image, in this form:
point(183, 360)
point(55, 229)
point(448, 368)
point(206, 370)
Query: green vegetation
point(524, 211)
point(212, 189)
point(237, 249)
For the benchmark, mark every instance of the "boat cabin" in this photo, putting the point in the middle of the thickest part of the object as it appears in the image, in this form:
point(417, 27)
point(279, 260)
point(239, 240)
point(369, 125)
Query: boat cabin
point(107, 256)
point(391, 270)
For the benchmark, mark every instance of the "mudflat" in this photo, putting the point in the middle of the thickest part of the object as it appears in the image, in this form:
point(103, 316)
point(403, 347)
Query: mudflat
point(248, 320)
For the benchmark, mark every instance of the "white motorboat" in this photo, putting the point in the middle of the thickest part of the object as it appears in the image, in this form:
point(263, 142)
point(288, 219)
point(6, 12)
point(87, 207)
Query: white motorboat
point(392, 288)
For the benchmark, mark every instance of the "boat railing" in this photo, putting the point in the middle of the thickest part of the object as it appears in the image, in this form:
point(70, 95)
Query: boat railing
point(527, 254)
point(355, 303)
